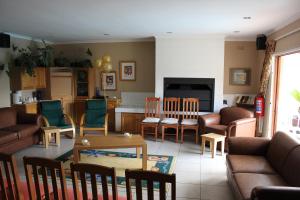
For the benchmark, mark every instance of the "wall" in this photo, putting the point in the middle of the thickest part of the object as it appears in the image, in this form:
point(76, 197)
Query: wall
point(4, 79)
point(141, 52)
point(194, 58)
point(241, 54)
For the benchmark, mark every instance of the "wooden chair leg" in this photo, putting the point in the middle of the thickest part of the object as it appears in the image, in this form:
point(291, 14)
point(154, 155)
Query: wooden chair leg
point(182, 130)
point(162, 133)
point(196, 132)
point(177, 134)
point(156, 133)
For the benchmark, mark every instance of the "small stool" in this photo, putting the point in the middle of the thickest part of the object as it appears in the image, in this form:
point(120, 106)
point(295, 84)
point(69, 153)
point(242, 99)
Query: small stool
point(213, 140)
point(47, 132)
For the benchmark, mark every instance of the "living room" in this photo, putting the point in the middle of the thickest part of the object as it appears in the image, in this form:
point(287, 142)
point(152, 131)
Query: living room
point(131, 54)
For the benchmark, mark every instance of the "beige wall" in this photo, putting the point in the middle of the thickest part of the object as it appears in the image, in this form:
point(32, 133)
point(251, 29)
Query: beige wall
point(4, 79)
point(143, 53)
point(241, 54)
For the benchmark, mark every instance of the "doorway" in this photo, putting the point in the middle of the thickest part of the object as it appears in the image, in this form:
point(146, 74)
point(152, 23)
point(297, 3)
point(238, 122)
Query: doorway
point(287, 95)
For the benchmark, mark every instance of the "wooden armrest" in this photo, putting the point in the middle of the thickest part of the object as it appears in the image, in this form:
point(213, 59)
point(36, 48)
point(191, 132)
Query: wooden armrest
point(46, 122)
point(82, 119)
point(69, 118)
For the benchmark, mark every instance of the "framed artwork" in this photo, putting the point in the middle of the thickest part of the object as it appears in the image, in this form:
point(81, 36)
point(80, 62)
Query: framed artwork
point(108, 81)
point(127, 71)
point(240, 76)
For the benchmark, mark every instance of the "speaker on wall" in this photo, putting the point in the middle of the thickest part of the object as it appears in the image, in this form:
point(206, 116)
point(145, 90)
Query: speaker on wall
point(261, 42)
point(4, 40)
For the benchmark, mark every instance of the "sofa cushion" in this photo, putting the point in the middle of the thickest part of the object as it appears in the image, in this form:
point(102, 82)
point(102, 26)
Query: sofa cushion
point(249, 164)
point(8, 117)
point(290, 170)
point(280, 146)
point(219, 129)
point(247, 181)
point(23, 130)
point(7, 136)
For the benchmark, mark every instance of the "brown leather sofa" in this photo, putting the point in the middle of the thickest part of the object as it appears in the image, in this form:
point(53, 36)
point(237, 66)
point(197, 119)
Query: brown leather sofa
point(18, 130)
point(231, 122)
point(263, 169)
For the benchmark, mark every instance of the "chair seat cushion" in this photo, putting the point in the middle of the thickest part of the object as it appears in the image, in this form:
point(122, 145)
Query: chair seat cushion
point(219, 129)
point(189, 122)
point(8, 136)
point(247, 181)
point(151, 120)
point(169, 121)
point(249, 164)
point(23, 130)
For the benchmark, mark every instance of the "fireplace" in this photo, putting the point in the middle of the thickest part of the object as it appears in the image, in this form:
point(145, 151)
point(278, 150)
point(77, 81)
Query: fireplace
point(202, 88)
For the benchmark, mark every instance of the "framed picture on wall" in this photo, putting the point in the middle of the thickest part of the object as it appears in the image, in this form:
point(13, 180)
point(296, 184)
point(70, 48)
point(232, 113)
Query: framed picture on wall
point(127, 71)
point(108, 81)
point(240, 76)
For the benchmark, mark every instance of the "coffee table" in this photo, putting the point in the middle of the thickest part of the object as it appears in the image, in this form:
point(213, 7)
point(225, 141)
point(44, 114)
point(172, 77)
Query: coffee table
point(112, 142)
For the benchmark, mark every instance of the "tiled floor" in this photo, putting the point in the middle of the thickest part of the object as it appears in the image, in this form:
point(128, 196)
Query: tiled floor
point(198, 176)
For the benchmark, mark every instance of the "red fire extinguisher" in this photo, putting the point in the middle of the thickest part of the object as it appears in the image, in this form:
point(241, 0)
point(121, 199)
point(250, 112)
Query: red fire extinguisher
point(259, 106)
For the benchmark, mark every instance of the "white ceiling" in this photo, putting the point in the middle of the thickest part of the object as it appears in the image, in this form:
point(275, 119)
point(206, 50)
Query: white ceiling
point(89, 20)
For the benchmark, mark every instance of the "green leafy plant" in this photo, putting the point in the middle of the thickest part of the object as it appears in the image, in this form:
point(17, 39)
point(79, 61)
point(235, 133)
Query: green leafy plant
point(31, 57)
point(296, 94)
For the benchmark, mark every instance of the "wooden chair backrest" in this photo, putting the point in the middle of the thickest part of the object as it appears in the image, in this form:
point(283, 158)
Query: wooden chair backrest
point(152, 107)
point(171, 107)
point(36, 167)
point(81, 169)
point(190, 108)
point(9, 178)
point(150, 177)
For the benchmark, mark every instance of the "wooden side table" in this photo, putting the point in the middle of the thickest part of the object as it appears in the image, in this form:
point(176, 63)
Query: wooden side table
point(213, 140)
point(47, 132)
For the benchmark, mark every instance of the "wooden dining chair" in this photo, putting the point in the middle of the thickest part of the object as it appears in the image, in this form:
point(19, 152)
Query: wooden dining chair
point(190, 117)
point(152, 115)
point(81, 170)
point(150, 177)
point(9, 178)
point(171, 115)
point(43, 167)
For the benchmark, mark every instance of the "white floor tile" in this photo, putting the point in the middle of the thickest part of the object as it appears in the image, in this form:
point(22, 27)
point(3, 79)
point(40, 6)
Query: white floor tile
point(209, 192)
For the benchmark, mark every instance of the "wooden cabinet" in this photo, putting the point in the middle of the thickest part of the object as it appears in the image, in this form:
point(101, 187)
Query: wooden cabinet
point(111, 105)
point(22, 81)
point(26, 108)
point(131, 122)
point(84, 83)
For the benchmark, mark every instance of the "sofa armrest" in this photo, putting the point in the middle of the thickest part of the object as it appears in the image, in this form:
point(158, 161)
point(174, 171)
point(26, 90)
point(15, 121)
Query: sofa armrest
point(248, 145)
point(242, 121)
point(275, 193)
point(209, 119)
point(26, 118)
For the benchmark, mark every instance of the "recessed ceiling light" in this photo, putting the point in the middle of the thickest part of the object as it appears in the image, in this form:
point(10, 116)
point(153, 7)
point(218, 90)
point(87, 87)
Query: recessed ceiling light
point(236, 31)
point(246, 17)
point(106, 34)
point(169, 32)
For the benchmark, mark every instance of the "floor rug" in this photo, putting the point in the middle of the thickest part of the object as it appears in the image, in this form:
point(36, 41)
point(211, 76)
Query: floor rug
point(120, 161)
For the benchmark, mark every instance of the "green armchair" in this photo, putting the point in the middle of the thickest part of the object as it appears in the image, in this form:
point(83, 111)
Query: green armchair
point(52, 114)
point(95, 117)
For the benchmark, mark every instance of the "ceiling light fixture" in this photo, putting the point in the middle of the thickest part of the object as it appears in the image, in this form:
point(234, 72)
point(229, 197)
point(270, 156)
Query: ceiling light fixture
point(236, 31)
point(169, 32)
point(246, 17)
point(106, 34)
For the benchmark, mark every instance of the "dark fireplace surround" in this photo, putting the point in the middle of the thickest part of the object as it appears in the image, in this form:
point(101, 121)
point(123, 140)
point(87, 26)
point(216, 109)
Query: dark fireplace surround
point(202, 88)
